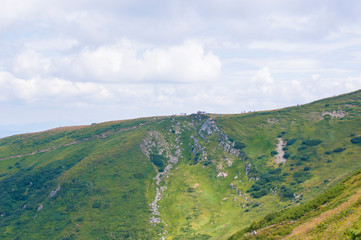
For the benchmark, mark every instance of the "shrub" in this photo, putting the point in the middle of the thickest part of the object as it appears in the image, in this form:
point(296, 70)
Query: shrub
point(96, 204)
point(255, 187)
point(307, 168)
point(286, 192)
point(239, 145)
point(339, 149)
point(157, 160)
point(299, 163)
point(274, 153)
point(259, 194)
point(311, 142)
point(301, 176)
point(291, 141)
point(255, 205)
point(356, 140)
point(302, 147)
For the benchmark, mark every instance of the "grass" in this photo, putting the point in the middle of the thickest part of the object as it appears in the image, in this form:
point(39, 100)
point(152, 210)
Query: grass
point(107, 183)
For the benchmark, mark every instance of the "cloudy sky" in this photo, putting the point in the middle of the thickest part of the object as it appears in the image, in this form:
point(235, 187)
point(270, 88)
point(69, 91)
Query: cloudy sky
point(66, 62)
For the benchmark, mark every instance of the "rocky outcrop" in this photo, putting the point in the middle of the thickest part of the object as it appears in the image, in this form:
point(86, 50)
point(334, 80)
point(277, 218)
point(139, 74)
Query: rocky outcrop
point(280, 153)
point(196, 146)
point(247, 168)
point(209, 127)
point(334, 114)
point(222, 174)
point(40, 207)
point(54, 192)
point(155, 142)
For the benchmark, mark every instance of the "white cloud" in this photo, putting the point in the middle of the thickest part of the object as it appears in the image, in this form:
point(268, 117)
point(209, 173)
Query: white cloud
point(30, 63)
point(299, 47)
point(289, 21)
point(14, 10)
point(125, 62)
point(50, 89)
point(51, 44)
point(130, 58)
point(263, 76)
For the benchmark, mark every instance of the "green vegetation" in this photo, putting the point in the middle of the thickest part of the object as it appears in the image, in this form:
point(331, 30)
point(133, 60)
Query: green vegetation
point(158, 160)
point(331, 201)
point(356, 140)
point(216, 175)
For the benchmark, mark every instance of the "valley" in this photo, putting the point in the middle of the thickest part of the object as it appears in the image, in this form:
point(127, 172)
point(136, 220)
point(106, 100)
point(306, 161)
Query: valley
point(202, 176)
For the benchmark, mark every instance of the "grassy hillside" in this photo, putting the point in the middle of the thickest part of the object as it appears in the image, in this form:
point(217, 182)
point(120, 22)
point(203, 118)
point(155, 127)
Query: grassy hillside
point(334, 214)
point(179, 177)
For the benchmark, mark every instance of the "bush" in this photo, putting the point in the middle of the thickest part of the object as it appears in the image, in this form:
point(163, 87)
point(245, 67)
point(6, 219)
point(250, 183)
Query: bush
point(274, 153)
point(239, 145)
point(96, 204)
point(254, 187)
point(291, 141)
point(259, 194)
point(299, 163)
point(286, 192)
point(340, 149)
point(311, 142)
point(307, 168)
point(301, 176)
point(157, 160)
point(302, 147)
point(356, 140)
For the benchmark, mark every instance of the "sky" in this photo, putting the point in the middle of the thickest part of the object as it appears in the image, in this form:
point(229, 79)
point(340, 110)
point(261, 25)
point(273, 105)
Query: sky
point(66, 62)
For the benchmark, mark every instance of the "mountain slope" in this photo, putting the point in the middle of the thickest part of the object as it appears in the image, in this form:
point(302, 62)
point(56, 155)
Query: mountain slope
point(180, 177)
point(335, 214)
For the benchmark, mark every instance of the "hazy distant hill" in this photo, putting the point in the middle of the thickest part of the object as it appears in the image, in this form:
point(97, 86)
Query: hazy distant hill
point(187, 177)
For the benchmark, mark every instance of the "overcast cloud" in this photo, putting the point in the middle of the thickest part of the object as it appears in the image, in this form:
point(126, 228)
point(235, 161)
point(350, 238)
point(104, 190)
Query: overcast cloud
point(77, 62)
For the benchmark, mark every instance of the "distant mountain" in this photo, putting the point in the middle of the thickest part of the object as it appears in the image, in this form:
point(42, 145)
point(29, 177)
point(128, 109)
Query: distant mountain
point(260, 175)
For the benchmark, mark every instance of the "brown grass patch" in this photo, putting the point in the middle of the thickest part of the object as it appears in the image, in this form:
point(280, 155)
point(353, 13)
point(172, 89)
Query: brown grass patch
point(302, 230)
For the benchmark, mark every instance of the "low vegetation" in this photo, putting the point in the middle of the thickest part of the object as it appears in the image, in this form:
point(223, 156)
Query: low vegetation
point(200, 177)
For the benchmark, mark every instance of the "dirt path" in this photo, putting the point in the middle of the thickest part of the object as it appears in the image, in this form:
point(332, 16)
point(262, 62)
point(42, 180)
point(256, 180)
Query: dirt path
point(280, 153)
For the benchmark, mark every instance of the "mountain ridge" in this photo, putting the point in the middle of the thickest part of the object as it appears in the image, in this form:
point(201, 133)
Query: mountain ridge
point(178, 177)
